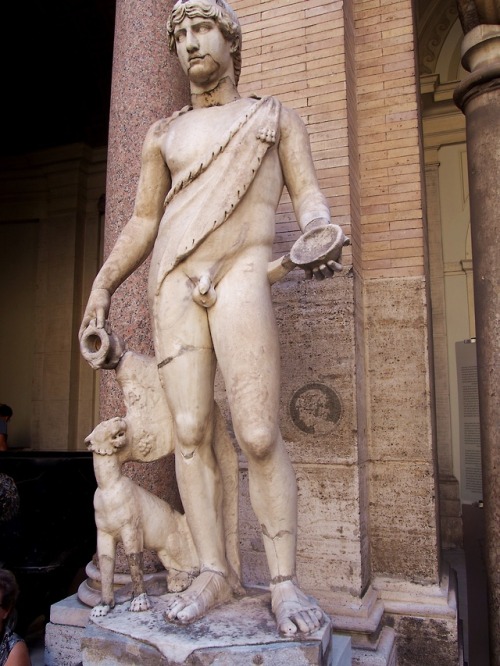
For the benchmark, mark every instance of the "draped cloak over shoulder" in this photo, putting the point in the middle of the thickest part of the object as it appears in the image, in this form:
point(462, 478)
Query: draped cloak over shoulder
point(205, 196)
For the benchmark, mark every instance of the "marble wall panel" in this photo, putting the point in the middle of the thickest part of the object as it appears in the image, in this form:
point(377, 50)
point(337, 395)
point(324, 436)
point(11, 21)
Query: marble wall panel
point(402, 483)
point(316, 331)
point(399, 369)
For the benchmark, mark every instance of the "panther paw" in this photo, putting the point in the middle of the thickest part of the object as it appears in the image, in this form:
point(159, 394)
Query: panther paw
point(140, 603)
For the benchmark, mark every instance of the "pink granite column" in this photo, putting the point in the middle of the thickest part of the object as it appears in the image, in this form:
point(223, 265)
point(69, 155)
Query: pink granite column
point(479, 97)
point(148, 84)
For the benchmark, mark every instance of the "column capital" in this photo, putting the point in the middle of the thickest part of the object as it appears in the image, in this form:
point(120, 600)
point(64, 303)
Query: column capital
point(477, 12)
point(481, 57)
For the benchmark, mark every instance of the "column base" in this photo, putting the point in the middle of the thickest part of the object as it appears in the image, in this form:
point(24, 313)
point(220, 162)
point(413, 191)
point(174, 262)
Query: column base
point(425, 618)
point(363, 620)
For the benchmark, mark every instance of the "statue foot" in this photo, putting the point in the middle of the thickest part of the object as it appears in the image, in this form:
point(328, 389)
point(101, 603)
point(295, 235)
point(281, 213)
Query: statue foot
point(140, 603)
point(294, 611)
point(100, 610)
point(178, 581)
point(208, 590)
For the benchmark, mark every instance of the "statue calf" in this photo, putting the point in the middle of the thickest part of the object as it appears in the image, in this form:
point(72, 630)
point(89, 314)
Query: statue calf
point(128, 513)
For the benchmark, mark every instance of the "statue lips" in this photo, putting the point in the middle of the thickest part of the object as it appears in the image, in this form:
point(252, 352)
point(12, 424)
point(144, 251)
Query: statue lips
point(196, 60)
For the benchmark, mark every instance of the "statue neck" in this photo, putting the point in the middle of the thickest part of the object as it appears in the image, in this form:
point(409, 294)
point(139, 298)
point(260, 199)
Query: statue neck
point(223, 93)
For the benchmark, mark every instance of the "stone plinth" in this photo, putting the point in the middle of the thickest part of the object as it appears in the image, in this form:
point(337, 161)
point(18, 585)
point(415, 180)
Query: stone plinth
point(240, 632)
point(64, 632)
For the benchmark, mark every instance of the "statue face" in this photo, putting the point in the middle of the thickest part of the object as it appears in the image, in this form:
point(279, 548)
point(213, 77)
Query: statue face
point(203, 51)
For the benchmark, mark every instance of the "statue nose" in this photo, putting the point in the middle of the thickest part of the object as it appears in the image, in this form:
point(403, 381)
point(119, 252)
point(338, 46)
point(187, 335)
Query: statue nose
point(191, 43)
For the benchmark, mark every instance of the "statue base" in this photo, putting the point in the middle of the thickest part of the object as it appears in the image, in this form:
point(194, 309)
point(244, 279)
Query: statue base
point(242, 631)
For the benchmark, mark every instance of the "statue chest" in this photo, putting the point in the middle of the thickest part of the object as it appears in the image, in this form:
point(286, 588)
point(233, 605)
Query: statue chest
point(194, 136)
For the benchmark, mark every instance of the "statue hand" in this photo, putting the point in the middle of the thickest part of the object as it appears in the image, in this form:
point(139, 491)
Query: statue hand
point(322, 270)
point(97, 308)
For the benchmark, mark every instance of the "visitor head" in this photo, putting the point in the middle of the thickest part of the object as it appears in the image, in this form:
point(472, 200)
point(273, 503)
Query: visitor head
point(6, 412)
point(8, 596)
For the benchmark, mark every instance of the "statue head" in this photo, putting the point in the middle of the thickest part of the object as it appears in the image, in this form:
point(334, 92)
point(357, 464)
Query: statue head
point(217, 10)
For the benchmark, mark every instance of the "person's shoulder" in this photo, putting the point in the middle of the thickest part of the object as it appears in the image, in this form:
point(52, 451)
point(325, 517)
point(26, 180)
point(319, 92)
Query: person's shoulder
point(19, 654)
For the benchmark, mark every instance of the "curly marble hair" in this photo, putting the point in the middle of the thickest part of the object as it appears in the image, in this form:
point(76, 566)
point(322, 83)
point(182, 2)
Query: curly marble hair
point(218, 10)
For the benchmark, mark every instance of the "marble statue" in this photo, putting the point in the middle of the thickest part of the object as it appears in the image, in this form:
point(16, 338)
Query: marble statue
point(210, 182)
point(145, 434)
point(128, 513)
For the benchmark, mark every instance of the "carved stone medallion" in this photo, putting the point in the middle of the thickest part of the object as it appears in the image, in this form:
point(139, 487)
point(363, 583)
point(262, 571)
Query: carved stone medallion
point(315, 409)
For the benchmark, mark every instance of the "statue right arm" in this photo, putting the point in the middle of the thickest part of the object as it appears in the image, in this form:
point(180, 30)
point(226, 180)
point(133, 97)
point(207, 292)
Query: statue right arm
point(138, 236)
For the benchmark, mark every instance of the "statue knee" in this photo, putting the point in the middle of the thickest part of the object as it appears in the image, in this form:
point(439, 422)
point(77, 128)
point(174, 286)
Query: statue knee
point(190, 432)
point(258, 442)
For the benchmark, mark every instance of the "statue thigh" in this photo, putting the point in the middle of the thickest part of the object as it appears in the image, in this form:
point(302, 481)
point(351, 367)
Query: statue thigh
point(245, 339)
point(186, 359)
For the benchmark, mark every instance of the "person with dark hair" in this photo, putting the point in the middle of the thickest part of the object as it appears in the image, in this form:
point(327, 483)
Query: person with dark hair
point(13, 650)
point(5, 416)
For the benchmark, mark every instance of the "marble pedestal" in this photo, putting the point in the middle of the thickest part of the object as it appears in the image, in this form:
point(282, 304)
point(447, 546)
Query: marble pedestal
point(237, 633)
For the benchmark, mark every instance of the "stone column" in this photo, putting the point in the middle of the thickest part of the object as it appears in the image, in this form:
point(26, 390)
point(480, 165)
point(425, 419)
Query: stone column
point(478, 96)
point(147, 84)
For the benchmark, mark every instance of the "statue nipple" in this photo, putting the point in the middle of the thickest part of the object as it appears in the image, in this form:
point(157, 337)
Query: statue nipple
point(204, 292)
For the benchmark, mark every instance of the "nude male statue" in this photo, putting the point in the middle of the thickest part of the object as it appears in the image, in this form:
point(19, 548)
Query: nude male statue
point(211, 179)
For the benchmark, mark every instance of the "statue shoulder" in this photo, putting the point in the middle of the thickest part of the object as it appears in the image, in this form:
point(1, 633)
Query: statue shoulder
point(159, 128)
point(290, 116)
point(153, 146)
point(290, 122)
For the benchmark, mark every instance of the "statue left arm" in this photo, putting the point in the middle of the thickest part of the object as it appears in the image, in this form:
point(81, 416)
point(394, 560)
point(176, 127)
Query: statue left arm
point(309, 203)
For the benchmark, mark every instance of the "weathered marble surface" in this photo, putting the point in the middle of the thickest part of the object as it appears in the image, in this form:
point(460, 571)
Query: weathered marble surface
point(240, 632)
point(71, 640)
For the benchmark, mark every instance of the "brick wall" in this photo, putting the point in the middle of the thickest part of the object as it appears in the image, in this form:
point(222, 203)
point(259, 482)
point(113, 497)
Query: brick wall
point(295, 50)
point(390, 173)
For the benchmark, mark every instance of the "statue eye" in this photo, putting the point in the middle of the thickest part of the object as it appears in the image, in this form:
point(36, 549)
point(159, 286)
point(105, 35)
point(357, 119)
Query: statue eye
point(204, 27)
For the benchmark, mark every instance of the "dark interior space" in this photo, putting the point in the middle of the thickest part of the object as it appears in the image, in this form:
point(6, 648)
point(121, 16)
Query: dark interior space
point(51, 537)
point(57, 59)
point(56, 85)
